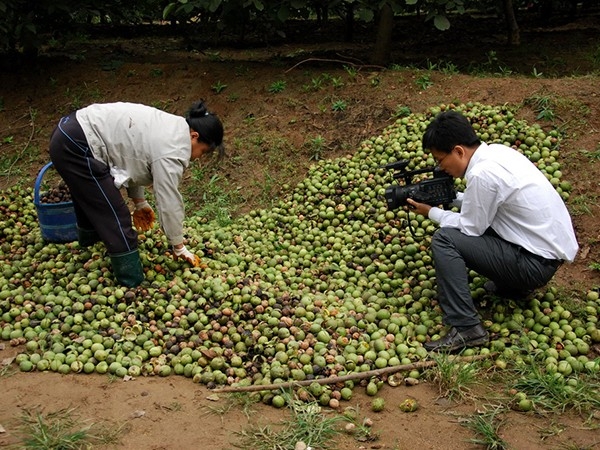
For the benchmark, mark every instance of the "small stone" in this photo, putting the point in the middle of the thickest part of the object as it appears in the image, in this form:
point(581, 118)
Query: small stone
point(138, 413)
point(300, 446)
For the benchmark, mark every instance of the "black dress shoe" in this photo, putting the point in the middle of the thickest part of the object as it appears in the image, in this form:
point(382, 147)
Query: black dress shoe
point(457, 340)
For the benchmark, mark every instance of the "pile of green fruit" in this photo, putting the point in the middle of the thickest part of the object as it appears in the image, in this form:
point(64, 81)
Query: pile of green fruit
point(327, 283)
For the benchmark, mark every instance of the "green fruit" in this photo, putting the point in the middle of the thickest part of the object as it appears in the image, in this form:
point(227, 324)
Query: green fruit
point(278, 401)
point(26, 366)
point(315, 389)
point(409, 405)
point(372, 388)
point(525, 405)
point(378, 404)
point(346, 393)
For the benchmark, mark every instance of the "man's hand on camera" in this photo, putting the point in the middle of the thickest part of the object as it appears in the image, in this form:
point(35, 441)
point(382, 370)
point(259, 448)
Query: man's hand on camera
point(418, 208)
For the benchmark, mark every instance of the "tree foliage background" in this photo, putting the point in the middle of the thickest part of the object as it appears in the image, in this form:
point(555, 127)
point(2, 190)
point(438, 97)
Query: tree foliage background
point(28, 25)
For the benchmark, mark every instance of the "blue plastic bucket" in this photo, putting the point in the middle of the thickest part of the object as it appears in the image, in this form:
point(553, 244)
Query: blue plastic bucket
point(57, 220)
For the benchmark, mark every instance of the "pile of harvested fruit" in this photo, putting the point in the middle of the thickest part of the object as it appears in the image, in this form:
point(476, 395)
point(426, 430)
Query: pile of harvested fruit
point(57, 194)
point(327, 283)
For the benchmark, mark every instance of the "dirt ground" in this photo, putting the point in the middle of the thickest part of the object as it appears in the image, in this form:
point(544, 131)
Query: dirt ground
point(174, 413)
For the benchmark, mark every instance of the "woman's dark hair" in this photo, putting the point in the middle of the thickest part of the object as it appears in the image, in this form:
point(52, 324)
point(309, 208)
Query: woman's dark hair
point(207, 125)
point(447, 130)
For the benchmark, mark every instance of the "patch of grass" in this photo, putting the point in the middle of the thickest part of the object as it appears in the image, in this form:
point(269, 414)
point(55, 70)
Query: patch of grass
point(557, 393)
point(220, 410)
point(243, 400)
point(156, 72)
point(277, 86)
point(553, 429)
point(316, 84)
point(543, 105)
point(424, 81)
point(592, 155)
point(164, 105)
point(401, 111)
point(339, 105)
point(351, 71)
point(363, 430)
point(218, 87)
point(241, 70)
point(173, 406)
point(536, 74)
point(316, 146)
point(76, 98)
point(581, 204)
point(306, 423)
point(267, 192)
point(112, 65)
point(549, 107)
point(397, 67)
point(486, 427)
point(109, 434)
point(595, 57)
point(7, 371)
point(448, 68)
point(214, 56)
point(337, 82)
point(64, 430)
point(493, 65)
point(216, 203)
point(452, 378)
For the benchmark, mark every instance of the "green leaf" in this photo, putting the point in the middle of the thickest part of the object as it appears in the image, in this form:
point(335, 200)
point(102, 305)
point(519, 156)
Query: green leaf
point(284, 13)
point(441, 22)
point(298, 4)
point(214, 5)
point(168, 10)
point(365, 14)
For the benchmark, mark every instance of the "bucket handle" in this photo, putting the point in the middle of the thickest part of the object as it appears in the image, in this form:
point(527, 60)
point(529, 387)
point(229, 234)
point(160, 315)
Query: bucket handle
point(38, 183)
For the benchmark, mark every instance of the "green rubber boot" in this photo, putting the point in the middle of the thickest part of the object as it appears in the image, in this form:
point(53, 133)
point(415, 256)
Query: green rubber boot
point(87, 237)
point(127, 268)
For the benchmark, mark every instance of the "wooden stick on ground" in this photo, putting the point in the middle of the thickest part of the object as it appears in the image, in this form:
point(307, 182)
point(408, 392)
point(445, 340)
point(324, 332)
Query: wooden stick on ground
point(350, 376)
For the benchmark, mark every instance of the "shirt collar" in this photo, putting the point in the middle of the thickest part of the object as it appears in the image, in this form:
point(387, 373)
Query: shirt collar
point(477, 155)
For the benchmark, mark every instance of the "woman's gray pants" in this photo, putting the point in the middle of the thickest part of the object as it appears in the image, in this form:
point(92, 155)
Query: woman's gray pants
point(510, 266)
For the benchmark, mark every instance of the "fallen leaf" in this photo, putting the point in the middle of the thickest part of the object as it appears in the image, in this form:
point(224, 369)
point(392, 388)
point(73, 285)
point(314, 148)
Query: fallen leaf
point(7, 361)
point(213, 398)
point(584, 252)
point(209, 353)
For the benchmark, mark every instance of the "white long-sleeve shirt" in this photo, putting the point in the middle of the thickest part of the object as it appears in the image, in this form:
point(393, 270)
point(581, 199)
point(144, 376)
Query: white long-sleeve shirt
point(142, 146)
point(507, 192)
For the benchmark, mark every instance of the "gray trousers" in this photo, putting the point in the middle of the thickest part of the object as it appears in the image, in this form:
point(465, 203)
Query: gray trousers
point(510, 266)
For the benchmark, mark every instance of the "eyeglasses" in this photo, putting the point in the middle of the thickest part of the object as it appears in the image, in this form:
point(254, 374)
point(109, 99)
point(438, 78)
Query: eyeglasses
point(439, 161)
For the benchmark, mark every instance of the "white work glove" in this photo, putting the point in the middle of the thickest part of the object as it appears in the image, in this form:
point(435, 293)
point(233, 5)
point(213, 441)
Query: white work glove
point(184, 253)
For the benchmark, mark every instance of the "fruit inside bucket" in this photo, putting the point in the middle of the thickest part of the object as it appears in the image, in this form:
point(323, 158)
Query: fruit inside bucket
point(56, 213)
